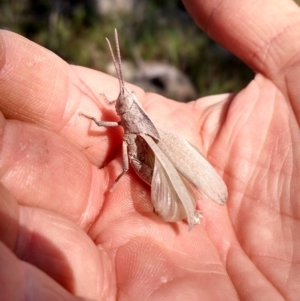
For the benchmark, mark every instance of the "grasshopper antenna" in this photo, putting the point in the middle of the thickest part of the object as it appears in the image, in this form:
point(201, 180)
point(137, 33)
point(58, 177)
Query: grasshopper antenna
point(118, 65)
point(119, 58)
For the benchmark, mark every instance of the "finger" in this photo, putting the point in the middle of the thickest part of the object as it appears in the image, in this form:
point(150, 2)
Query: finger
point(53, 245)
point(42, 169)
point(37, 86)
point(20, 280)
point(264, 34)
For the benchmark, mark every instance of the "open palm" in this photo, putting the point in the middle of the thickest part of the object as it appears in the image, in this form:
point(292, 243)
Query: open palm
point(61, 222)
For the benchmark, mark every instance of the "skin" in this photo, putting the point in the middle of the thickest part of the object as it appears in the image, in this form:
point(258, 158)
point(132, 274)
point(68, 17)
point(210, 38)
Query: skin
point(64, 236)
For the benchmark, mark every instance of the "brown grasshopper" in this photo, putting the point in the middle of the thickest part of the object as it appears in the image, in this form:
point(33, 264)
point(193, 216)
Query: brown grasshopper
point(165, 161)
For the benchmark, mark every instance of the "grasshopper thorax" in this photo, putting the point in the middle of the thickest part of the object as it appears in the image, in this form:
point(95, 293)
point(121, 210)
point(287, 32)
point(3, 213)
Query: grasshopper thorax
point(125, 101)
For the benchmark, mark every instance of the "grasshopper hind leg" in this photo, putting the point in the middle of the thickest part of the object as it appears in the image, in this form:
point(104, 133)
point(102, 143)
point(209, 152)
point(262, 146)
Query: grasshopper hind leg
point(125, 165)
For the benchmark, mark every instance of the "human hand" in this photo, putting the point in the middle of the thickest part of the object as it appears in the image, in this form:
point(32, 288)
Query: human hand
point(61, 220)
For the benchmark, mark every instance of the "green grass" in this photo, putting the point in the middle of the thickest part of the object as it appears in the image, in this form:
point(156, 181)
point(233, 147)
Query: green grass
point(162, 35)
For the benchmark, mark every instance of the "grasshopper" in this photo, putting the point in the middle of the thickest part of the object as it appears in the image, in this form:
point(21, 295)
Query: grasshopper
point(165, 161)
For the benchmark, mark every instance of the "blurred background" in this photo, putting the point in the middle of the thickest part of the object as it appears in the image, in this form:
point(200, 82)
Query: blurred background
point(162, 49)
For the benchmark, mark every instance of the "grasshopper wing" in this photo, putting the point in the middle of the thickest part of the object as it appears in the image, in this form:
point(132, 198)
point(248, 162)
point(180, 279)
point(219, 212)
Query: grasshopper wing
point(193, 166)
point(170, 196)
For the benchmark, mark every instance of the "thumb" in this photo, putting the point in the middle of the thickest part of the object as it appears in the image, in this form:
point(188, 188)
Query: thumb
point(264, 34)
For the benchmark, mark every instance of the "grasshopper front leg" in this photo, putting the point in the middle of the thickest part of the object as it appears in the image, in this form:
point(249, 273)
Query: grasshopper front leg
point(99, 122)
point(124, 146)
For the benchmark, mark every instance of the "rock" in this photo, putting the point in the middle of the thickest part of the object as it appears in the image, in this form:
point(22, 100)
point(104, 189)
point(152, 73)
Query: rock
point(158, 77)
